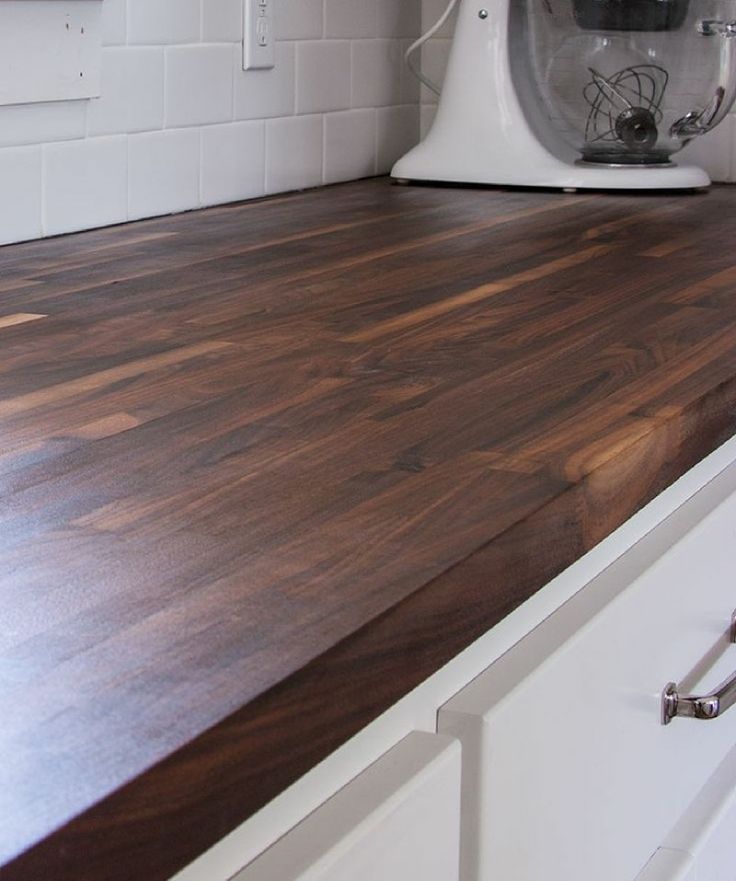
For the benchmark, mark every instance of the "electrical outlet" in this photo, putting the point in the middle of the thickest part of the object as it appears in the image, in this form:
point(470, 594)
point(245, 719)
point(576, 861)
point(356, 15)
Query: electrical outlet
point(258, 36)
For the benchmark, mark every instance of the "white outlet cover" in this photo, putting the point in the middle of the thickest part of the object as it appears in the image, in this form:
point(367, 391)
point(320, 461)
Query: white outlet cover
point(258, 35)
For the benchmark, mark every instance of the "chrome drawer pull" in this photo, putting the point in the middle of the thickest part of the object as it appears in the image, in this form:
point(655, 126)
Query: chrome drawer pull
point(709, 706)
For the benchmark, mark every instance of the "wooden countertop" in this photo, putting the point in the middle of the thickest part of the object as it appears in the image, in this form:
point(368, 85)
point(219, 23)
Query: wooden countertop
point(267, 467)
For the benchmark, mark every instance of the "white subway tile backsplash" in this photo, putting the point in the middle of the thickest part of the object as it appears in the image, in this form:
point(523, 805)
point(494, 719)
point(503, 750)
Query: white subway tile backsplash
point(294, 151)
point(408, 84)
point(350, 145)
point(261, 94)
point(132, 91)
point(199, 85)
point(397, 132)
point(40, 123)
point(85, 184)
point(376, 73)
point(434, 56)
point(351, 18)
point(179, 124)
point(163, 172)
point(300, 19)
point(114, 22)
point(164, 21)
point(233, 162)
point(430, 12)
point(400, 19)
point(222, 21)
point(20, 186)
point(323, 76)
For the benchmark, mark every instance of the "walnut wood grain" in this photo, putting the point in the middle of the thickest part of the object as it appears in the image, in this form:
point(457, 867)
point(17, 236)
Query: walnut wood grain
point(265, 468)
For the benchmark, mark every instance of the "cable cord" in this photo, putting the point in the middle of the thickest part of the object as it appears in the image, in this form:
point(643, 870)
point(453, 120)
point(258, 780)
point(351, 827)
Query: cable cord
point(408, 55)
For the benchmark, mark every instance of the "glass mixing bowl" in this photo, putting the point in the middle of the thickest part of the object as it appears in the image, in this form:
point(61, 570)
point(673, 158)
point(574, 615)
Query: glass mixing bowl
point(630, 81)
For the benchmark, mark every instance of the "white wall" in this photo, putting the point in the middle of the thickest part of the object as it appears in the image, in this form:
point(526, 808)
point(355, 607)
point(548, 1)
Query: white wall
point(180, 125)
point(716, 151)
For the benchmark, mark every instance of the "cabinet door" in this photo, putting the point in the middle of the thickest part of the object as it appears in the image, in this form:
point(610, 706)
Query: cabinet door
point(397, 821)
point(568, 774)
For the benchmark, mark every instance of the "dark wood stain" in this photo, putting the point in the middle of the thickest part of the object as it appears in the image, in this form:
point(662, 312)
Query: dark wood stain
point(265, 468)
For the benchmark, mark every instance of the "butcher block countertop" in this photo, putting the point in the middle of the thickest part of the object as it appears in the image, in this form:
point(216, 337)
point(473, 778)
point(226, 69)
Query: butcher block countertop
point(267, 467)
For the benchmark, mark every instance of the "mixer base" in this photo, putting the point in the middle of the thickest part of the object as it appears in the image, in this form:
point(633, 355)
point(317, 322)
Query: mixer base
point(430, 162)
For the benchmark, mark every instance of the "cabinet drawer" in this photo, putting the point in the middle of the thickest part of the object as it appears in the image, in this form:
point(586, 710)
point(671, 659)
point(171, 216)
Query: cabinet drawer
point(397, 820)
point(568, 773)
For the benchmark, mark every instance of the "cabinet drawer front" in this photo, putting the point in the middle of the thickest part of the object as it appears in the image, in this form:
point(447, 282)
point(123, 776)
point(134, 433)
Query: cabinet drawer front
point(568, 773)
point(399, 819)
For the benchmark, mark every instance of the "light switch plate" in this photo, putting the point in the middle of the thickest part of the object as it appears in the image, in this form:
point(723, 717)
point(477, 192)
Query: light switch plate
point(50, 50)
point(258, 35)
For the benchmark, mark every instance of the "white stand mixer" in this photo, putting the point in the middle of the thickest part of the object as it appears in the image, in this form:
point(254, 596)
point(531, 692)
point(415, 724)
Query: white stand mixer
point(481, 134)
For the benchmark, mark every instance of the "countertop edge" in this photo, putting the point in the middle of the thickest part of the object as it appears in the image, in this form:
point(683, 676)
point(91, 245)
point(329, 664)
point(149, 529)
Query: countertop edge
point(162, 820)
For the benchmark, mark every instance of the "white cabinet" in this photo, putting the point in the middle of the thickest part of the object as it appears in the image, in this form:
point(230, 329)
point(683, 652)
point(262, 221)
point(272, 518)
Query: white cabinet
point(568, 774)
point(397, 821)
